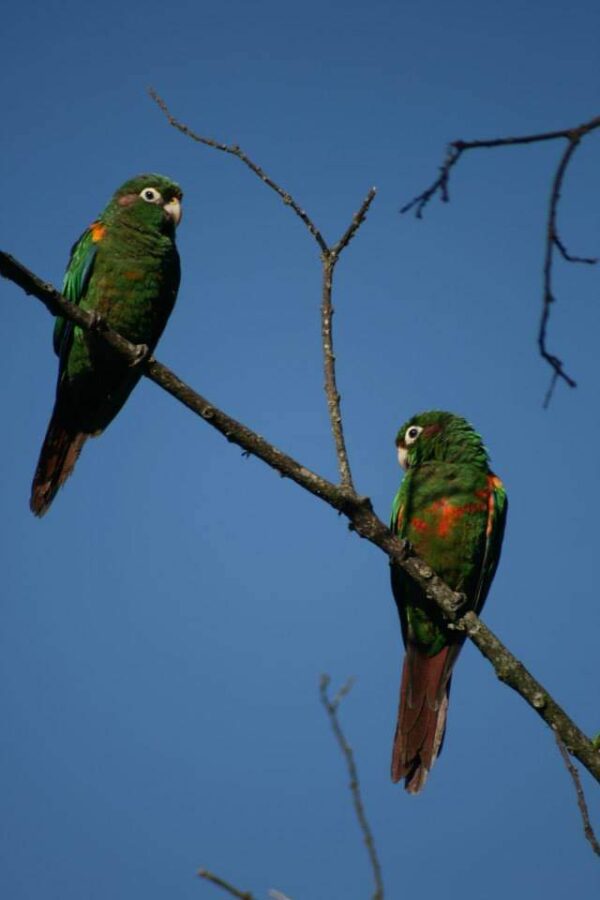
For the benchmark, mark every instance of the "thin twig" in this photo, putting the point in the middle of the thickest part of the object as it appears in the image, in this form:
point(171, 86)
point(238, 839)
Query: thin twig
point(356, 508)
point(573, 136)
point(220, 882)
point(456, 149)
point(331, 707)
point(585, 816)
point(234, 150)
point(332, 395)
point(548, 296)
point(587, 260)
point(357, 219)
point(329, 258)
point(329, 261)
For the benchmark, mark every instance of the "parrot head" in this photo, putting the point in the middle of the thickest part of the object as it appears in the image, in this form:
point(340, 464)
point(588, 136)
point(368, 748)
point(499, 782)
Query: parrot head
point(437, 436)
point(147, 202)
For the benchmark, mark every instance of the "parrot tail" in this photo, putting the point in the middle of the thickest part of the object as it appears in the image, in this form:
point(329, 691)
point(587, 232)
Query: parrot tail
point(60, 451)
point(422, 715)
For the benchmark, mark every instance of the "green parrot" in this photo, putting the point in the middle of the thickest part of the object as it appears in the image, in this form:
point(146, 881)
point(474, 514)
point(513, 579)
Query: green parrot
point(125, 270)
point(452, 509)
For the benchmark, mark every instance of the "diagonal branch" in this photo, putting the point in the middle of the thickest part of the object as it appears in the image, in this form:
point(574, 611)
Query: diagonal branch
point(331, 707)
point(329, 258)
point(234, 150)
point(220, 882)
point(357, 509)
point(585, 816)
point(573, 136)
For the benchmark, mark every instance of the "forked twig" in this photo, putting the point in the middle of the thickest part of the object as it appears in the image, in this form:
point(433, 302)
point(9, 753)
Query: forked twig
point(329, 258)
point(220, 882)
point(553, 241)
point(331, 707)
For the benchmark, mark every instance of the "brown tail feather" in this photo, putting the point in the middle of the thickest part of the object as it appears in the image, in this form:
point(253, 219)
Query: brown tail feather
point(421, 716)
point(60, 451)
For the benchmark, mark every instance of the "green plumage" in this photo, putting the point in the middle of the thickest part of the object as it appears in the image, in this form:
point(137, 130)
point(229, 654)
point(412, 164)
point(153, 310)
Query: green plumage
point(452, 509)
point(125, 269)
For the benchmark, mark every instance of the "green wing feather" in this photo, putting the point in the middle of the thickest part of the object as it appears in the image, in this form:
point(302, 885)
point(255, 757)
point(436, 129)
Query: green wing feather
point(395, 510)
point(75, 282)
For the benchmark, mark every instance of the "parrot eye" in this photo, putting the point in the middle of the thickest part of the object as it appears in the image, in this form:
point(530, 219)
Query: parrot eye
point(151, 195)
point(412, 434)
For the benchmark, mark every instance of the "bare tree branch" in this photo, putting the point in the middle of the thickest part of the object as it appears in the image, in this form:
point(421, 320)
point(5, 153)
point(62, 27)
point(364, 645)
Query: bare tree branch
point(329, 258)
point(220, 882)
point(573, 136)
point(331, 707)
point(357, 509)
point(553, 241)
point(234, 150)
point(329, 261)
point(357, 219)
point(585, 816)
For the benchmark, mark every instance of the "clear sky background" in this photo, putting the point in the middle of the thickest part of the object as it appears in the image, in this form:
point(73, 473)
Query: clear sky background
point(164, 627)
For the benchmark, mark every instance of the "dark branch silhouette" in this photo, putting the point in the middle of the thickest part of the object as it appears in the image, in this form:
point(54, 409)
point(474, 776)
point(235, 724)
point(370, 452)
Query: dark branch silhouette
point(331, 708)
point(573, 136)
point(356, 508)
point(225, 885)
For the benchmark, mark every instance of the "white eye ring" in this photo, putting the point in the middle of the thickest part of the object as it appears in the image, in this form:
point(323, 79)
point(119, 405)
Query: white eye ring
point(151, 195)
point(412, 434)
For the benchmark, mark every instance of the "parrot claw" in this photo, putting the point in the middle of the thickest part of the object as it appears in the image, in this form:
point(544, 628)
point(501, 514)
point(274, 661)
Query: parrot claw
point(97, 323)
point(142, 352)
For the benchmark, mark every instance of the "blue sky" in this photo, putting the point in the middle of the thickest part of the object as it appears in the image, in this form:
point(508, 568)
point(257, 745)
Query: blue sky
point(164, 627)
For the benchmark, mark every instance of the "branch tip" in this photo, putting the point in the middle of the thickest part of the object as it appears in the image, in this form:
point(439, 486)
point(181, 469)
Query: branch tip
point(331, 707)
point(581, 802)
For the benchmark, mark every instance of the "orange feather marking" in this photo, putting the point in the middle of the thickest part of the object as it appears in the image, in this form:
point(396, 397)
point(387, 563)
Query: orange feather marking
point(449, 514)
point(98, 231)
point(419, 525)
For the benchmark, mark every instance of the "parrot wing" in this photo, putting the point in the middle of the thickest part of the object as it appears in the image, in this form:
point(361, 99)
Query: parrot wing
point(75, 282)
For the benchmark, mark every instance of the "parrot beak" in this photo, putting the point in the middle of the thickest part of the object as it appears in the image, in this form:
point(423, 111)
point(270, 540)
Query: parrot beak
point(173, 210)
point(403, 457)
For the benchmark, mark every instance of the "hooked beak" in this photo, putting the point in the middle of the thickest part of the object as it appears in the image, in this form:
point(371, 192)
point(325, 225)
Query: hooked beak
point(403, 457)
point(173, 210)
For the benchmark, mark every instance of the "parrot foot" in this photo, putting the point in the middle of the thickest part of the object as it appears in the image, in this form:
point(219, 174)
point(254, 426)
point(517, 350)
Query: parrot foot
point(142, 352)
point(97, 324)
